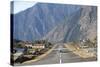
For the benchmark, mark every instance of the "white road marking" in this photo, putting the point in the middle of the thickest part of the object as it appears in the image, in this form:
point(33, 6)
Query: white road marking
point(60, 59)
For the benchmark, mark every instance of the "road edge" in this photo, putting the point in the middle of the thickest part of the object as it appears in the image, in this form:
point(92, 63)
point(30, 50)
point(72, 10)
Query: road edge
point(80, 52)
point(40, 57)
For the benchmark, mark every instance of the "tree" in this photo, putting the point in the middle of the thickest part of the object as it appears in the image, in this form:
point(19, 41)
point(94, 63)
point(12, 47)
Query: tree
point(26, 50)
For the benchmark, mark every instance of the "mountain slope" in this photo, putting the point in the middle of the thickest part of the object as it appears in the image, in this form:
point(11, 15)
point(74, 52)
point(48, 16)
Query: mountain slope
point(88, 22)
point(55, 22)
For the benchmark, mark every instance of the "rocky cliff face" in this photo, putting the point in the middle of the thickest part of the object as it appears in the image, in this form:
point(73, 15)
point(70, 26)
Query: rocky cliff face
point(80, 25)
point(88, 22)
point(55, 22)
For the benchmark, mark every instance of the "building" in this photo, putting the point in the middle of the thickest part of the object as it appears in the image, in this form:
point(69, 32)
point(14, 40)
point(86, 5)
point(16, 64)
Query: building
point(28, 44)
point(38, 46)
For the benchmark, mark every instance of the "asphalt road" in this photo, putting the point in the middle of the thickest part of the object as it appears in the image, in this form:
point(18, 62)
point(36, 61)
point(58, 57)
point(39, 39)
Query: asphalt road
point(61, 55)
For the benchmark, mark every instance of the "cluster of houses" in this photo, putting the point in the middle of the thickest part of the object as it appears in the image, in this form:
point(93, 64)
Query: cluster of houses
point(35, 46)
point(31, 48)
point(85, 43)
point(32, 45)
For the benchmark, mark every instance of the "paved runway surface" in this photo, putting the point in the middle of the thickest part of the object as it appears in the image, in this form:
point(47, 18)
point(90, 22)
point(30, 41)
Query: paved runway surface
point(61, 55)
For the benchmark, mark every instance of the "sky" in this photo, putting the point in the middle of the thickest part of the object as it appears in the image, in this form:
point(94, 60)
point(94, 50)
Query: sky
point(22, 5)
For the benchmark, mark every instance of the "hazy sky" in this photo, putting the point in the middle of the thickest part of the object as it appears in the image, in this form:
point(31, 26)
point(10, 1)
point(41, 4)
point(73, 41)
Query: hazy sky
point(22, 5)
